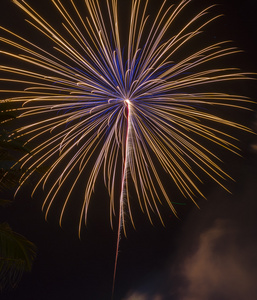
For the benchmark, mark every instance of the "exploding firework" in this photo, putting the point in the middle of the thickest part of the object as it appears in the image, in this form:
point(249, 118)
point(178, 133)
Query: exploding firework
point(92, 107)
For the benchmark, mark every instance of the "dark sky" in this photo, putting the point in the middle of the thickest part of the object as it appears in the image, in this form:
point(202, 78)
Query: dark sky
point(209, 253)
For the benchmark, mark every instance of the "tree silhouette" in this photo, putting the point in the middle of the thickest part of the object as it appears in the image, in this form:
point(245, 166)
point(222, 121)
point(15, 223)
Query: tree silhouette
point(16, 252)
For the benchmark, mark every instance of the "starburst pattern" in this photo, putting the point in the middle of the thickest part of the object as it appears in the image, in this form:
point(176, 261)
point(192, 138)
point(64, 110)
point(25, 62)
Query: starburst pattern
point(93, 106)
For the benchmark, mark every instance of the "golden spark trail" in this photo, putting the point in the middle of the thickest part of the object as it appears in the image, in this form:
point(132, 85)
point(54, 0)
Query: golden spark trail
point(123, 192)
point(147, 97)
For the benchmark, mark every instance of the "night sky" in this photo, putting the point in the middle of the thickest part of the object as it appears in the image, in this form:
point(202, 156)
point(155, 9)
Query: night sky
point(207, 254)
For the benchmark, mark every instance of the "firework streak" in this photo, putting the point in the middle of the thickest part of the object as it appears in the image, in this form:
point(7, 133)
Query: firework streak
point(93, 106)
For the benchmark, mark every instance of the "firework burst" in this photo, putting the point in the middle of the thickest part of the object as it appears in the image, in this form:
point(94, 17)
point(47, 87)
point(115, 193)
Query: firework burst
point(93, 107)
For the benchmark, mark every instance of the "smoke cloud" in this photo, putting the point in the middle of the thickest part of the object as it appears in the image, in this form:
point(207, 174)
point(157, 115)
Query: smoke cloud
point(217, 252)
point(223, 267)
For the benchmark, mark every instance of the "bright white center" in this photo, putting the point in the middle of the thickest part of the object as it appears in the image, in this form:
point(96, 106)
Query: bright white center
point(127, 101)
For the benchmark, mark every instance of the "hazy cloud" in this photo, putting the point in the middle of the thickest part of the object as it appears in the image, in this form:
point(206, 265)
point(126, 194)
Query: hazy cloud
point(217, 251)
point(142, 296)
point(223, 267)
